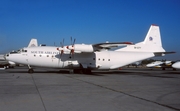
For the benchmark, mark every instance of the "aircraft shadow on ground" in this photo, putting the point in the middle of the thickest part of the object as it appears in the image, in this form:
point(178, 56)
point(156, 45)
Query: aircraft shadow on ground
point(94, 73)
point(172, 72)
point(59, 72)
point(158, 76)
point(102, 73)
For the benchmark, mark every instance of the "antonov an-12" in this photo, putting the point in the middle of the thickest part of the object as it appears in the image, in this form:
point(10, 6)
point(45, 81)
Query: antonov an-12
point(83, 58)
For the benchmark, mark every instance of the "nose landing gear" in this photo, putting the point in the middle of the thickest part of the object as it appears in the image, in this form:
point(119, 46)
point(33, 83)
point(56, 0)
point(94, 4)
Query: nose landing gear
point(30, 69)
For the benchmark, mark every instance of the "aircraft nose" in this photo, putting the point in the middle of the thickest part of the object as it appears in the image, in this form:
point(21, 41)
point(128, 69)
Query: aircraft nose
point(176, 65)
point(5, 56)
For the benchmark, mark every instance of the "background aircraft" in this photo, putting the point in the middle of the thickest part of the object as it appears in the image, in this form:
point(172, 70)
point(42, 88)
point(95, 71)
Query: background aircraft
point(135, 64)
point(160, 64)
point(3, 63)
point(176, 65)
point(83, 58)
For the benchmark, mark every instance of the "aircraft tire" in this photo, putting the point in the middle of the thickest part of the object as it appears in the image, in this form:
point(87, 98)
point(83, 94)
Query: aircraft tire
point(82, 71)
point(174, 69)
point(30, 71)
point(87, 71)
point(163, 68)
point(77, 71)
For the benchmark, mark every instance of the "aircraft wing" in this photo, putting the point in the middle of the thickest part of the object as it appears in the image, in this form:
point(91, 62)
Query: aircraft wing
point(86, 48)
point(100, 46)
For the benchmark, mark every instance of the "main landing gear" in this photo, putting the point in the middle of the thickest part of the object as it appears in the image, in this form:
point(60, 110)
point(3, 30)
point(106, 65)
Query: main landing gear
point(82, 71)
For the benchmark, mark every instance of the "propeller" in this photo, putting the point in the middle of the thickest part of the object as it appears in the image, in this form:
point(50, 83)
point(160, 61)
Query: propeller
point(61, 49)
point(71, 47)
point(62, 46)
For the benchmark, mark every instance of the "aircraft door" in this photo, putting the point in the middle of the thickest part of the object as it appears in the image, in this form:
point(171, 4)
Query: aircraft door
point(103, 60)
point(24, 54)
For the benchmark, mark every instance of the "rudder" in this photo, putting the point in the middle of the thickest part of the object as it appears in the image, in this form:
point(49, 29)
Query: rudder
point(151, 43)
point(153, 36)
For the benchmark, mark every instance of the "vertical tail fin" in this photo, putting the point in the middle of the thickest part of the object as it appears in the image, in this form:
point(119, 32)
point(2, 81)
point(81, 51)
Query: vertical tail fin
point(151, 43)
point(153, 36)
point(33, 43)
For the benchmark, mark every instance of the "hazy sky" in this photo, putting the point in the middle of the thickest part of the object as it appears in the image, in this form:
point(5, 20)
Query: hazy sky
point(89, 21)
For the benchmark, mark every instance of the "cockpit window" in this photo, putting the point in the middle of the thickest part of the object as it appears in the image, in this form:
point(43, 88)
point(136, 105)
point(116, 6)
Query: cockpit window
point(13, 52)
point(18, 51)
point(24, 50)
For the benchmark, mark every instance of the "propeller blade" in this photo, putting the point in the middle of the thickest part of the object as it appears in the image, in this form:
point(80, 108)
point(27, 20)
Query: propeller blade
point(71, 40)
point(62, 43)
point(61, 50)
point(71, 47)
point(74, 42)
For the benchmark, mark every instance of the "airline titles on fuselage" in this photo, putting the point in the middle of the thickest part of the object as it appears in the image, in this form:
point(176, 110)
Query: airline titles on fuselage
point(44, 52)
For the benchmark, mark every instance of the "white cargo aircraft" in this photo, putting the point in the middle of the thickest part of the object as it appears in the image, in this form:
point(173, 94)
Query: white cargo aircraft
point(83, 58)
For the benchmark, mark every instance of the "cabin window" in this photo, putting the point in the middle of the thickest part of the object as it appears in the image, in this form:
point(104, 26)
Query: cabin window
point(108, 59)
point(103, 59)
point(23, 50)
point(99, 59)
point(47, 55)
point(34, 55)
point(40, 55)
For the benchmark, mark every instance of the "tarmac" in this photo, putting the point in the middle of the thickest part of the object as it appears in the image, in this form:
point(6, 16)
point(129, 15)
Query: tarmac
point(128, 89)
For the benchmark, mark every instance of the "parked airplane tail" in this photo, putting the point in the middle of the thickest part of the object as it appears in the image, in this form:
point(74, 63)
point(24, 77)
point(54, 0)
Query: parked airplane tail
point(151, 43)
point(33, 43)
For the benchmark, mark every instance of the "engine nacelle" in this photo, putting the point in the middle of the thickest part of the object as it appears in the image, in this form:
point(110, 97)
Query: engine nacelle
point(81, 48)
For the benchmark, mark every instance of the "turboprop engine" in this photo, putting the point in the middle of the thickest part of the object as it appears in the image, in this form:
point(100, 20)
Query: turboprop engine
point(78, 48)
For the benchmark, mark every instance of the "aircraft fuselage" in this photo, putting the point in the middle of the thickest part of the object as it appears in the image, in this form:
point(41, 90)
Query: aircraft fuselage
point(51, 57)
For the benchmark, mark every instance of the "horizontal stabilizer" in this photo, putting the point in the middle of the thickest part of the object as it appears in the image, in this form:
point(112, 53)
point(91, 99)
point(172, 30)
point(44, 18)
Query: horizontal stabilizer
point(163, 53)
point(169, 52)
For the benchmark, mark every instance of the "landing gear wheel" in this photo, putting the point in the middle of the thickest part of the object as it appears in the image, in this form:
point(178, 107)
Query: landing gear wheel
point(30, 71)
point(163, 68)
point(77, 71)
point(87, 71)
point(82, 71)
point(174, 69)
